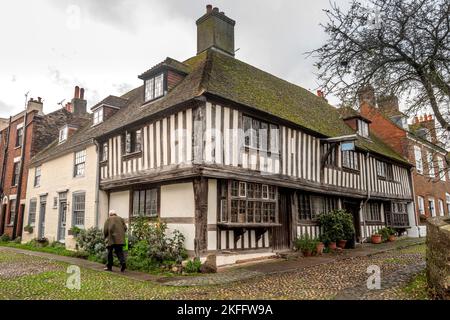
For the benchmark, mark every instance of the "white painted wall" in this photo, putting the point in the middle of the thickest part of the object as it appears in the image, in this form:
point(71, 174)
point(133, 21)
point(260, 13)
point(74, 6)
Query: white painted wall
point(120, 202)
point(57, 176)
point(177, 201)
point(212, 213)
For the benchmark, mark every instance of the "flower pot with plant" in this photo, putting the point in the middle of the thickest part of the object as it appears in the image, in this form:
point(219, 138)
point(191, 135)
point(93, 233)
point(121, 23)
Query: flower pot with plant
point(28, 229)
point(306, 245)
point(319, 247)
point(376, 238)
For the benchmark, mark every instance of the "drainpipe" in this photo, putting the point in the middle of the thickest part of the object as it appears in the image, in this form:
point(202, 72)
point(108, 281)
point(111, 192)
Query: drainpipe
point(19, 185)
point(368, 190)
point(97, 184)
point(2, 181)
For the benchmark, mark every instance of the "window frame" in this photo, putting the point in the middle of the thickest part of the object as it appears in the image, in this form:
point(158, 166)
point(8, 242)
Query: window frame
point(156, 191)
point(19, 137)
point(307, 212)
point(363, 128)
point(37, 177)
point(432, 208)
point(255, 138)
point(15, 174)
point(12, 213)
point(76, 210)
point(441, 166)
point(418, 159)
point(371, 214)
point(132, 142)
point(98, 116)
point(31, 214)
point(104, 152)
point(421, 202)
point(152, 81)
point(353, 158)
point(79, 163)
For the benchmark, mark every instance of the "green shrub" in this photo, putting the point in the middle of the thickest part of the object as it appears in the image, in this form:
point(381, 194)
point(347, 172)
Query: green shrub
point(28, 229)
point(138, 257)
point(336, 225)
point(18, 240)
point(5, 238)
point(93, 243)
point(193, 266)
point(386, 232)
point(348, 228)
point(305, 243)
point(75, 231)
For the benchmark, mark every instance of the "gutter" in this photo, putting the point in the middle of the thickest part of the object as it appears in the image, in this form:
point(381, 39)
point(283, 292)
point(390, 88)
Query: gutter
point(2, 181)
point(97, 185)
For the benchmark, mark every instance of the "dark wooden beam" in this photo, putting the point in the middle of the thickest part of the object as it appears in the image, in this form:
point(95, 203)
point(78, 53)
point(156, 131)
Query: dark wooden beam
point(201, 216)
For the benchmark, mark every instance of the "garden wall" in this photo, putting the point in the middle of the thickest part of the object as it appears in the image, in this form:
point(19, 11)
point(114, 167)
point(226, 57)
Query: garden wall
point(438, 257)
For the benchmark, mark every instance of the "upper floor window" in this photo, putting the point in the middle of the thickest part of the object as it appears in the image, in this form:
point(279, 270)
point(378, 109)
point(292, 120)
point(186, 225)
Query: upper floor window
point(363, 128)
point(432, 207)
point(431, 170)
point(330, 151)
point(104, 152)
point(418, 158)
point(384, 170)
point(261, 135)
point(133, 141)
point(98, 116)
point(441, 169)
point(80, 163)
point(154, 87)
point(37, 176)
point(19, 137)
point(15, 176)
point(350, 160)
point(421, 204)
point(63, 133)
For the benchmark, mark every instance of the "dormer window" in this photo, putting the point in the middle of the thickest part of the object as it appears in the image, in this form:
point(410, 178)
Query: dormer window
point(363, 128)
point(63, 133)
point(154, 87)
point(98, 116)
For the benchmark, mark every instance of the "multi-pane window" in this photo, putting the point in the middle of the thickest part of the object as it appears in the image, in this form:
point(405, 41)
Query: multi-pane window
point(385, 170)
point(145, 203)
point(79, 209)
point(447, 197)
point(249, 203)
point(133, 141)
point(260, 135)
point(441, 207)
point(63, 133)
point(441, 169)
point(363, 128)
point(431, 171)
point(154, 87)
point(421, 204)
point(432, 207)
point(418, 158)
point(98, 116)
point(80, 163)
point(331, 154)
point(19, 137)
point(311, 206)
point(37, 176)
point(104, 153)
point(16, 172)
point(32, 212)
point(12, 211)
point(373, 212)
point(350, 160)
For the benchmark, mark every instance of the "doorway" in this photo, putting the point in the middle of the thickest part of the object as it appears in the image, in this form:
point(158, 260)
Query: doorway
point(3, 219)
point(62, 217)
point(281, 236)
point(41, 229)
point(353, 207)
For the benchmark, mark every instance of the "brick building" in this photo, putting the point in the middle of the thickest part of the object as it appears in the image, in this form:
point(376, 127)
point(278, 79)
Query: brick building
point(419, 144)
point(23, 136)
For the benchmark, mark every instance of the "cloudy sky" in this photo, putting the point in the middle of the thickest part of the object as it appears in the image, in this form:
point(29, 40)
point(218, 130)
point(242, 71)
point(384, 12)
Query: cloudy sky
point(49, 46)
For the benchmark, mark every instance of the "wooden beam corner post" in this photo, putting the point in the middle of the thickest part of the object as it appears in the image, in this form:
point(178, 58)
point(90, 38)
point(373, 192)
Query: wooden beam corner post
point(201, 215)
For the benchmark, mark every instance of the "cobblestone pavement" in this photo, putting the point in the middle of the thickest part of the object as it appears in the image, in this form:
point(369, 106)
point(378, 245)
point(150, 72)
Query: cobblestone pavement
point(214, 279)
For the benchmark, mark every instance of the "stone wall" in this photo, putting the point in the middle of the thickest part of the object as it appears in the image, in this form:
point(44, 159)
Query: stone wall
point(438, 257)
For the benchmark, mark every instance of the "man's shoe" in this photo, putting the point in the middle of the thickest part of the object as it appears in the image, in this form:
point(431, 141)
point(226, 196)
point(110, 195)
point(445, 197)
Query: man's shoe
point(124, 267)
point(107, 269)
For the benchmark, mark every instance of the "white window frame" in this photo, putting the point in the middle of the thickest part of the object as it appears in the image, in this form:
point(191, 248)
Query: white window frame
point(63, 134)
point(432, 207)
point(418, 158)
point(265, 189)
point(447, 198)
point(37, 174)
point(154, 87)
point(363, 128)
point(421, 204)
point(32, 212)
point(242, 189)
point(78, 214)
point(441, 207)
point(98, 116)
point(80, 162)
point(431, 169)
point(441, 169)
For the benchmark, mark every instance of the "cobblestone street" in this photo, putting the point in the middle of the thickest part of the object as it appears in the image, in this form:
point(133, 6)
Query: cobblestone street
point(26, 276)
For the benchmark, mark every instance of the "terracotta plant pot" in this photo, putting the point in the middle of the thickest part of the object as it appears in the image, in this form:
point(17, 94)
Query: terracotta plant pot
point(392, 238)
point(319, 248)
point(332, 245)
point(307, 253)
point(376, 238)
point(342, 243)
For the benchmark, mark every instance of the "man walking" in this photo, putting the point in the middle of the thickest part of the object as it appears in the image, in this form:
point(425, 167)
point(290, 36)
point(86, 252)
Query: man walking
point(114, 231)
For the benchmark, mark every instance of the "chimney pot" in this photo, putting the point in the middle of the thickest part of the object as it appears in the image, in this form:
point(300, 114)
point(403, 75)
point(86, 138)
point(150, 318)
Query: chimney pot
point(209, 8)
point(82, 93)
point(77, 92)
point(320, 93)
point(216, 9)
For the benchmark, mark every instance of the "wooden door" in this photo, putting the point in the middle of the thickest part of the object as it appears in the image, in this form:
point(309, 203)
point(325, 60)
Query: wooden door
point(281, 236)
point(353, 208)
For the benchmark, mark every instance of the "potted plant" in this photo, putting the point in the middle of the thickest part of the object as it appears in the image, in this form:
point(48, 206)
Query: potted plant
point(28, 229)
point(348, 228)
point(306, 245)
point(392, 237)
point(319, 247)
point(74, 231)
point(336, 225)
point(376, 238)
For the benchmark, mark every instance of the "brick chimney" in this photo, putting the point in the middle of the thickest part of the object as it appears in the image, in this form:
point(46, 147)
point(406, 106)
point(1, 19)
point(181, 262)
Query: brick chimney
point(36, 105)
point(215, 30)
point(389, 105)
point(427, 121)
point(366, 95)
point(78, 105)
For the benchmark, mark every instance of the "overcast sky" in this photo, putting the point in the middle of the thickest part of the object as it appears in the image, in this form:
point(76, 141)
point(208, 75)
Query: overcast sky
point(49, 46)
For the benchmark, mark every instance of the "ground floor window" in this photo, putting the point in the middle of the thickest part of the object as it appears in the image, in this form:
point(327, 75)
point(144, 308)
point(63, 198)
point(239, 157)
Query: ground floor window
point(373, 212)
point(32, 212)
point(145, 203)
point(79, 209)
point(311, 206)
point(12, 211)
point(245, 202)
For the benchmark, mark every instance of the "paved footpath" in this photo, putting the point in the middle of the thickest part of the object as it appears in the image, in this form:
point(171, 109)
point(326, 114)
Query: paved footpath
point(237, 273)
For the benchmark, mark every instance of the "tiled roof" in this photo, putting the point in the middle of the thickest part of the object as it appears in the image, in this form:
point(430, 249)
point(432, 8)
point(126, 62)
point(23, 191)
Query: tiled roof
point(112, 101)
point(168, 63)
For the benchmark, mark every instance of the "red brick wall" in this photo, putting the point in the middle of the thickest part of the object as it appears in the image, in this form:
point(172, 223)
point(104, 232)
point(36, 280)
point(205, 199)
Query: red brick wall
point(173, 79)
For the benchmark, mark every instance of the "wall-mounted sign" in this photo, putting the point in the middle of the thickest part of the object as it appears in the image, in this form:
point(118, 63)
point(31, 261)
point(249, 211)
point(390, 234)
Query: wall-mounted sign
point(348, 146)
